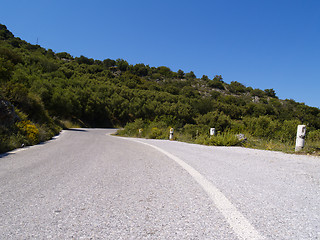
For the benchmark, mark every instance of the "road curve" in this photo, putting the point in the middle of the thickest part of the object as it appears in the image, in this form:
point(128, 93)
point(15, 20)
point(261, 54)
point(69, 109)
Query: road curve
point(87, 184)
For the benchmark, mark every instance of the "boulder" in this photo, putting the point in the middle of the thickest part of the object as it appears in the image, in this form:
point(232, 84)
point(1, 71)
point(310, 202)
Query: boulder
point(8, 115)
point(241, 137)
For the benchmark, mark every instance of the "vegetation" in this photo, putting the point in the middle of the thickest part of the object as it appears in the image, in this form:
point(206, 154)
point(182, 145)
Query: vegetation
point(51, 91)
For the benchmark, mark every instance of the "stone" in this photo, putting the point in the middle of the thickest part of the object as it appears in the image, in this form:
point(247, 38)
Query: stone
point(8, 115)
point(241, 137)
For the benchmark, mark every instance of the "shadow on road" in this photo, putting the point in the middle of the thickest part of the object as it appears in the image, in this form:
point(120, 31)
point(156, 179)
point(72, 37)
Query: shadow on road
point(76, 130)
point(4, 154)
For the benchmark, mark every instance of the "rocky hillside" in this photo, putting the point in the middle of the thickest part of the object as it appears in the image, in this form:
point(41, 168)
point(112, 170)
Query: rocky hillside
point(42, 91)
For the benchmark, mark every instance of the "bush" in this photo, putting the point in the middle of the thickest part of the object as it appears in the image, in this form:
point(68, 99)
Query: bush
point(30, 131)
point(223, 139)
point(155, 133)
point(157, 130)
point(237, 126)
point(219, 121)
point(314, 136)
point(11, 141)
point(195, 130)
point(288, 130)
point(262, 126)
point(236, 87)
point(132, 129)
point(216, 82)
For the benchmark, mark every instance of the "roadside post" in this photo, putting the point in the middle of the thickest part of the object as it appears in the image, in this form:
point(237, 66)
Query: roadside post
point(171, 134)
point(140, 132)
point(212, 131)
point(301, 135)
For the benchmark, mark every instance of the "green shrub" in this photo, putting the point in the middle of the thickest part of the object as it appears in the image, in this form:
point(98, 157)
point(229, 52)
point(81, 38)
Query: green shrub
point(157, 130)
point(237, 126)
point(132, 129)
point(262, 126)
point(10, 142)
point(222, 139)
point(30, 131)
point(155, 133)
point(195, 130)
point(216, 119)
point(225, 139)
point(236, 87)
point(314, 136)
point(202, 139)
point(288, 131)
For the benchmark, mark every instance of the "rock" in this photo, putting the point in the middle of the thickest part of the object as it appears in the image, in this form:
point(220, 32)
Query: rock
point(241, 137)
point(7, 114)
point(255, 99)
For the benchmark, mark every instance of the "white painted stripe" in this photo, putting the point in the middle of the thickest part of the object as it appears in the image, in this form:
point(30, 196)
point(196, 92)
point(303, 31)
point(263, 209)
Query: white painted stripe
point(32, 146)
point(18, 150)
point(241, 226)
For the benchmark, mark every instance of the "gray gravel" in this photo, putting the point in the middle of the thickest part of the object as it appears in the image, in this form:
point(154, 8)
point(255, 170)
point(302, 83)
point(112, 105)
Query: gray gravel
point(89, 185)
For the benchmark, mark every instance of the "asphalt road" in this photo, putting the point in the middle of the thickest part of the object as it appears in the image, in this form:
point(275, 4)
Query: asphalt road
point(87, 184)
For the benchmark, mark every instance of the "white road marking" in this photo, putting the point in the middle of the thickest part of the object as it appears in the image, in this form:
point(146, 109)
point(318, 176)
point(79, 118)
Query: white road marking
point(240, 225)
point(18, 150)
point(32, 146)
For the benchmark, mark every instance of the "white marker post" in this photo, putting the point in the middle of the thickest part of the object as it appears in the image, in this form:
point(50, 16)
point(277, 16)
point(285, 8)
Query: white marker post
point(301, 134)
point(212, 131)
point(171, 134)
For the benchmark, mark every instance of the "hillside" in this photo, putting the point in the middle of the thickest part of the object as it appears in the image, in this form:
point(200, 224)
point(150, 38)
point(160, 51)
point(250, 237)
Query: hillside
point(42, 92)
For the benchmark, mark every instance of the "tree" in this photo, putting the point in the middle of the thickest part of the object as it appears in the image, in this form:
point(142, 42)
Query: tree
point(11, 55)
point(217, 82)
point(6, 68)
point(189, 92)
point(5, 33)
point(236, 87)
point(215, 119)
point(258, 92)
point(140, 70)
point(164, 71)
point(109, 63)
point(190, 75)
point(64, 55)
point(205, 78)
point(50, 53)
point(270, 93)
point(122, 64)
point(180, 73)
point(84, 60)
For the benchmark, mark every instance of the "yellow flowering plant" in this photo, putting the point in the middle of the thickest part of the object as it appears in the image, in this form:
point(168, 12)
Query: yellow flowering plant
point(29, 130)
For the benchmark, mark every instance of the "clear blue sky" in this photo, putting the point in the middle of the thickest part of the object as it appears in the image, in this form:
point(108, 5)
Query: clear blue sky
point(260, 43)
